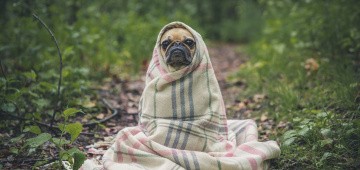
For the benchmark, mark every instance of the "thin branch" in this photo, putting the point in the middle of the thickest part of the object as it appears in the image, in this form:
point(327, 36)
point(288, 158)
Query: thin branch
point(40, 123)
point(2, 70)
point(115, 112)
point(24, 119)
point(60, 59)
point(30, 160)
point(57, 128)
point(107, 104)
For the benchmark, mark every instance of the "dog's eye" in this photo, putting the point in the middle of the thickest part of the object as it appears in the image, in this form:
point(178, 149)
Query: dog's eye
point(189, 42)
point(165, 44)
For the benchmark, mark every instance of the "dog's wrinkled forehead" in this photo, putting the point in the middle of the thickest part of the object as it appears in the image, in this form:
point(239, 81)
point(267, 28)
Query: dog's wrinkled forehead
point(175, 32)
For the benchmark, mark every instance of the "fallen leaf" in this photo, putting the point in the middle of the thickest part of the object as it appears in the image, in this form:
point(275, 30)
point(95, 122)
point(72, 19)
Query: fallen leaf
point(283, 124)
point(132, 104)
point(130, 118)
point(258, 98)
point(311, 65)
point(100, 116)
point(247, 113)
point(89, 104)
point(131, 110)
point(132, 97)
point(107, 130)
point(123, 98)
point(95, 151)
point(110, 124)
point(113, 103)
point(263, 117)
point(242, 105)
point(84, 119)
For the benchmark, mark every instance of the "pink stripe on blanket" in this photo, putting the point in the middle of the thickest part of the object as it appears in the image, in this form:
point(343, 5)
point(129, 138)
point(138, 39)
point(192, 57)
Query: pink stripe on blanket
point(252, 150)
point(120, 157)
point(132, 155)
point(229, 154)
point(135, 131)
point(253, 163)
point(228, 146)
point(124, 137)
point(149, 70)
point(142, 142)
point(127, 133)
point(164, 152)
point(162, 71)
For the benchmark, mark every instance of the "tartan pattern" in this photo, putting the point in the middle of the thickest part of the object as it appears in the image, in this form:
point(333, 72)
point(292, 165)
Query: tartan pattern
point(183, 123)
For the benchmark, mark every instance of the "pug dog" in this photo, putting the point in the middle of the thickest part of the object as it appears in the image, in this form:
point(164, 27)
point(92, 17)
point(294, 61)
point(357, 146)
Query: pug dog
point(177, 47)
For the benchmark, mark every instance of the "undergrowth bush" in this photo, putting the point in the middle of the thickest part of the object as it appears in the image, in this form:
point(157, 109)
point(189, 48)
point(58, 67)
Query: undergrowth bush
point(306, 61)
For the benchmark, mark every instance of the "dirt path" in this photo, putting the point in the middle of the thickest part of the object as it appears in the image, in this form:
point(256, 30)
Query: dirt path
point(226, 59)
point(124, 95)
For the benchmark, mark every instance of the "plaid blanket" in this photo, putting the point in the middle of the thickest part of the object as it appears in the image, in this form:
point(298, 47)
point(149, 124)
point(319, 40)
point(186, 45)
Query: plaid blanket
point(183, 123)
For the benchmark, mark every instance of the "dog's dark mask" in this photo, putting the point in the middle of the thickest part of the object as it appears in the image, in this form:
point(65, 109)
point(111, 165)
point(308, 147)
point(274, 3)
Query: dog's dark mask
point(177, 54)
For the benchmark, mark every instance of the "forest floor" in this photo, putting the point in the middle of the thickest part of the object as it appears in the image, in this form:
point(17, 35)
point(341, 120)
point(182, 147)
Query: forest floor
point(117, 99)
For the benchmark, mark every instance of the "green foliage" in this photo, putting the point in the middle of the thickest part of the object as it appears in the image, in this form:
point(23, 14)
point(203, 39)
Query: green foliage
point(38, 140)
point(33, 129)
point(70, 112)
point(96, 38)
point(8, 107)
point(74, 129)
point(306, 64)
point(71, 154)
point(75, 153)
point(323, 140)
point(113, 36)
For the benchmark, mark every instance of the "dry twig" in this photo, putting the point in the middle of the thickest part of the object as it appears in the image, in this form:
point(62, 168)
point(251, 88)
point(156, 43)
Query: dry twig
point(107, 104)
point(60, 67)
point(2, 70)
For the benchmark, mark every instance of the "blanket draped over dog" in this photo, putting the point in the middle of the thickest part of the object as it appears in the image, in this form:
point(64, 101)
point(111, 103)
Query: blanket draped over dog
point(183, 123)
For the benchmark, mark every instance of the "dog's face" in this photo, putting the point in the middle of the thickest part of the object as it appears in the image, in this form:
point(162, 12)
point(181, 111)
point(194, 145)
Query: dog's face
point(178, 47)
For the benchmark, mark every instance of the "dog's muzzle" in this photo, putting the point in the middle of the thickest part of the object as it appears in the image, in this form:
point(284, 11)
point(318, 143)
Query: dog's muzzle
point(178, 55)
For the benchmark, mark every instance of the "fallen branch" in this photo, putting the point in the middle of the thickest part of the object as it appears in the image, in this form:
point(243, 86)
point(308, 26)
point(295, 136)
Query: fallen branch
point(87, 134)
point(57, 128)
point(19, 160)
point(60, 68)
point(41, 124)
point(107, 104)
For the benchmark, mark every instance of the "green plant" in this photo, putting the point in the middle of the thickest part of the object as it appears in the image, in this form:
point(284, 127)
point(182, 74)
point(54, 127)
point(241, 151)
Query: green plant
point(306, 65)
point(72, 154)
point(334, 142)
point(28, 97)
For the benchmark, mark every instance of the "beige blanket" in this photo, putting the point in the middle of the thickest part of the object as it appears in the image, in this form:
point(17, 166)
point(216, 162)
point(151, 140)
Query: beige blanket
point(183, 123)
